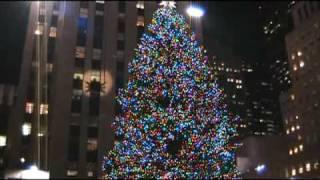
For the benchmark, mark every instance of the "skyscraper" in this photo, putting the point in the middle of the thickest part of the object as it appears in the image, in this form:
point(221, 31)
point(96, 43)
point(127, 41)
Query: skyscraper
point(75, 58)
point(300, 105)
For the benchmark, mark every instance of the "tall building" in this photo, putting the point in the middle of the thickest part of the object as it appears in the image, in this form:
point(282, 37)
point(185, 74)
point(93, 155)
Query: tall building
point(229, 72)
point(75, 58)
point(7, 97)
point(300, 105)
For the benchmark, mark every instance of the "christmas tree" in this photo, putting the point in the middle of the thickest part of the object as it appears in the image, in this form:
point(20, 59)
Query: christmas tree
point(173, 123)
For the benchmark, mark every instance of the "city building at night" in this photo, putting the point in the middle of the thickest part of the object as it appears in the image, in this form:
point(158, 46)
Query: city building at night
point(300, 105)
point(7, 97)
point(229, 72)
point(75, 58)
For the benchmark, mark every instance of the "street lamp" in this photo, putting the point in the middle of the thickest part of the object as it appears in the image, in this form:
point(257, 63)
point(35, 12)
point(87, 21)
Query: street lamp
point(195, 11)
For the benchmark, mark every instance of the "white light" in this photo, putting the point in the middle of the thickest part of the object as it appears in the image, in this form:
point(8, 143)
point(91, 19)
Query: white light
point(195, 12)
point(33, 167)
point(22, 160)
point(26, 129)
point(170, 4)
point(3, 141)
point(260, 168)
point(299, 53)
point(301, 64)
point(308, 167)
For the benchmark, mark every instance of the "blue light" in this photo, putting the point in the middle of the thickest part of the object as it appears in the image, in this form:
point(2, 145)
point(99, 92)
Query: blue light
point(260, 168)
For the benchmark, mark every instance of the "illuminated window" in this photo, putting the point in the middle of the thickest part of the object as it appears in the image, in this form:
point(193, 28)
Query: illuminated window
point(295, 67)
point(316, 165)
point(80, 52)
point(292, 129)
point(299, 53)
point(293, 172)
point(3, 141)
point(301, 147)
point(140, 5)
point(53, 32)
point(96, 54)
point(301, 64)
point(295, 150)
point(288, 131)
point(308, 167)
point(297, 117)
point(26, 129)
point(297, 127)
point(90, 174)
point(29, 108)
point(72, 173)
point(140, 21)
point(95, 75)
point(39, 30)
point(293, 56)
point(290, 152)
point(78, 76)
point(299, 137)
point(84, 12)
point(100, 2)
point(300, 170)
point(292, 97)
point(44, 109)
point(92, 144)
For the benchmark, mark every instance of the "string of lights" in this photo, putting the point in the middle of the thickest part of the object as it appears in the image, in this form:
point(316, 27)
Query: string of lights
point(173, 123)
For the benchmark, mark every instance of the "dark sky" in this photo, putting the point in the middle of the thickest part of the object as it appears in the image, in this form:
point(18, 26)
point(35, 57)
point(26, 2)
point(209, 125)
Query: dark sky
point(234, 24)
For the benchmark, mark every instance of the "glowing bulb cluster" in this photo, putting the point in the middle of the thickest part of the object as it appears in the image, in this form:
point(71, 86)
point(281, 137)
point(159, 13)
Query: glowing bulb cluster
point(172, 122)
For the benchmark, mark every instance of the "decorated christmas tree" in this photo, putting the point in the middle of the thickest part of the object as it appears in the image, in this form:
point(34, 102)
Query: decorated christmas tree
point(173, 123)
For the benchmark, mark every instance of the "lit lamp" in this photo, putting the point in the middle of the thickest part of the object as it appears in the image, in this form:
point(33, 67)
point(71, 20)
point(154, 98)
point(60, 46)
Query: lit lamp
point(195, 11)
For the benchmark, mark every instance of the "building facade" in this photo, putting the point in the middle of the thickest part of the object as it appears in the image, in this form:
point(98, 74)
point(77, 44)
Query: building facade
point(7, 97)
point(75, 58)
point(300, 105)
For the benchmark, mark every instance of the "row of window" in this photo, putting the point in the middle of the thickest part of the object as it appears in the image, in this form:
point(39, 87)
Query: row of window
point(74, 144)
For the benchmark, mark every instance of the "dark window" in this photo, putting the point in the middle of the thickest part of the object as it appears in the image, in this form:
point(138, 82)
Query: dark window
point(140, 30)
point(92, 132)
point(84, 4)
point(119, 82)
point(79, 62)
point(56, 6)
point(305, 9)
point(77, 83)
point(140, 12)
point(300, 15)
point(311, 4)
point(98, 32)
point(51, 46)
point(121, 25)
point(120, 67)
point(76, 104)
point(81, 39)
point(99, 6)
point(122, 7)
point(96, 64)
point(94, 105)
point(120, 45)
point(74, 143)
point(54, 21)
point(41, 18)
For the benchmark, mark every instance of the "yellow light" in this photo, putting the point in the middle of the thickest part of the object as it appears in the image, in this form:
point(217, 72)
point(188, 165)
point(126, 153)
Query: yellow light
point(301, 147)
point(308, 167)
point(299, 53)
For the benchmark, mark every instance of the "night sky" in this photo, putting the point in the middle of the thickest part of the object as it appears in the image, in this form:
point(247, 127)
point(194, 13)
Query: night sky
point(233, 24)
